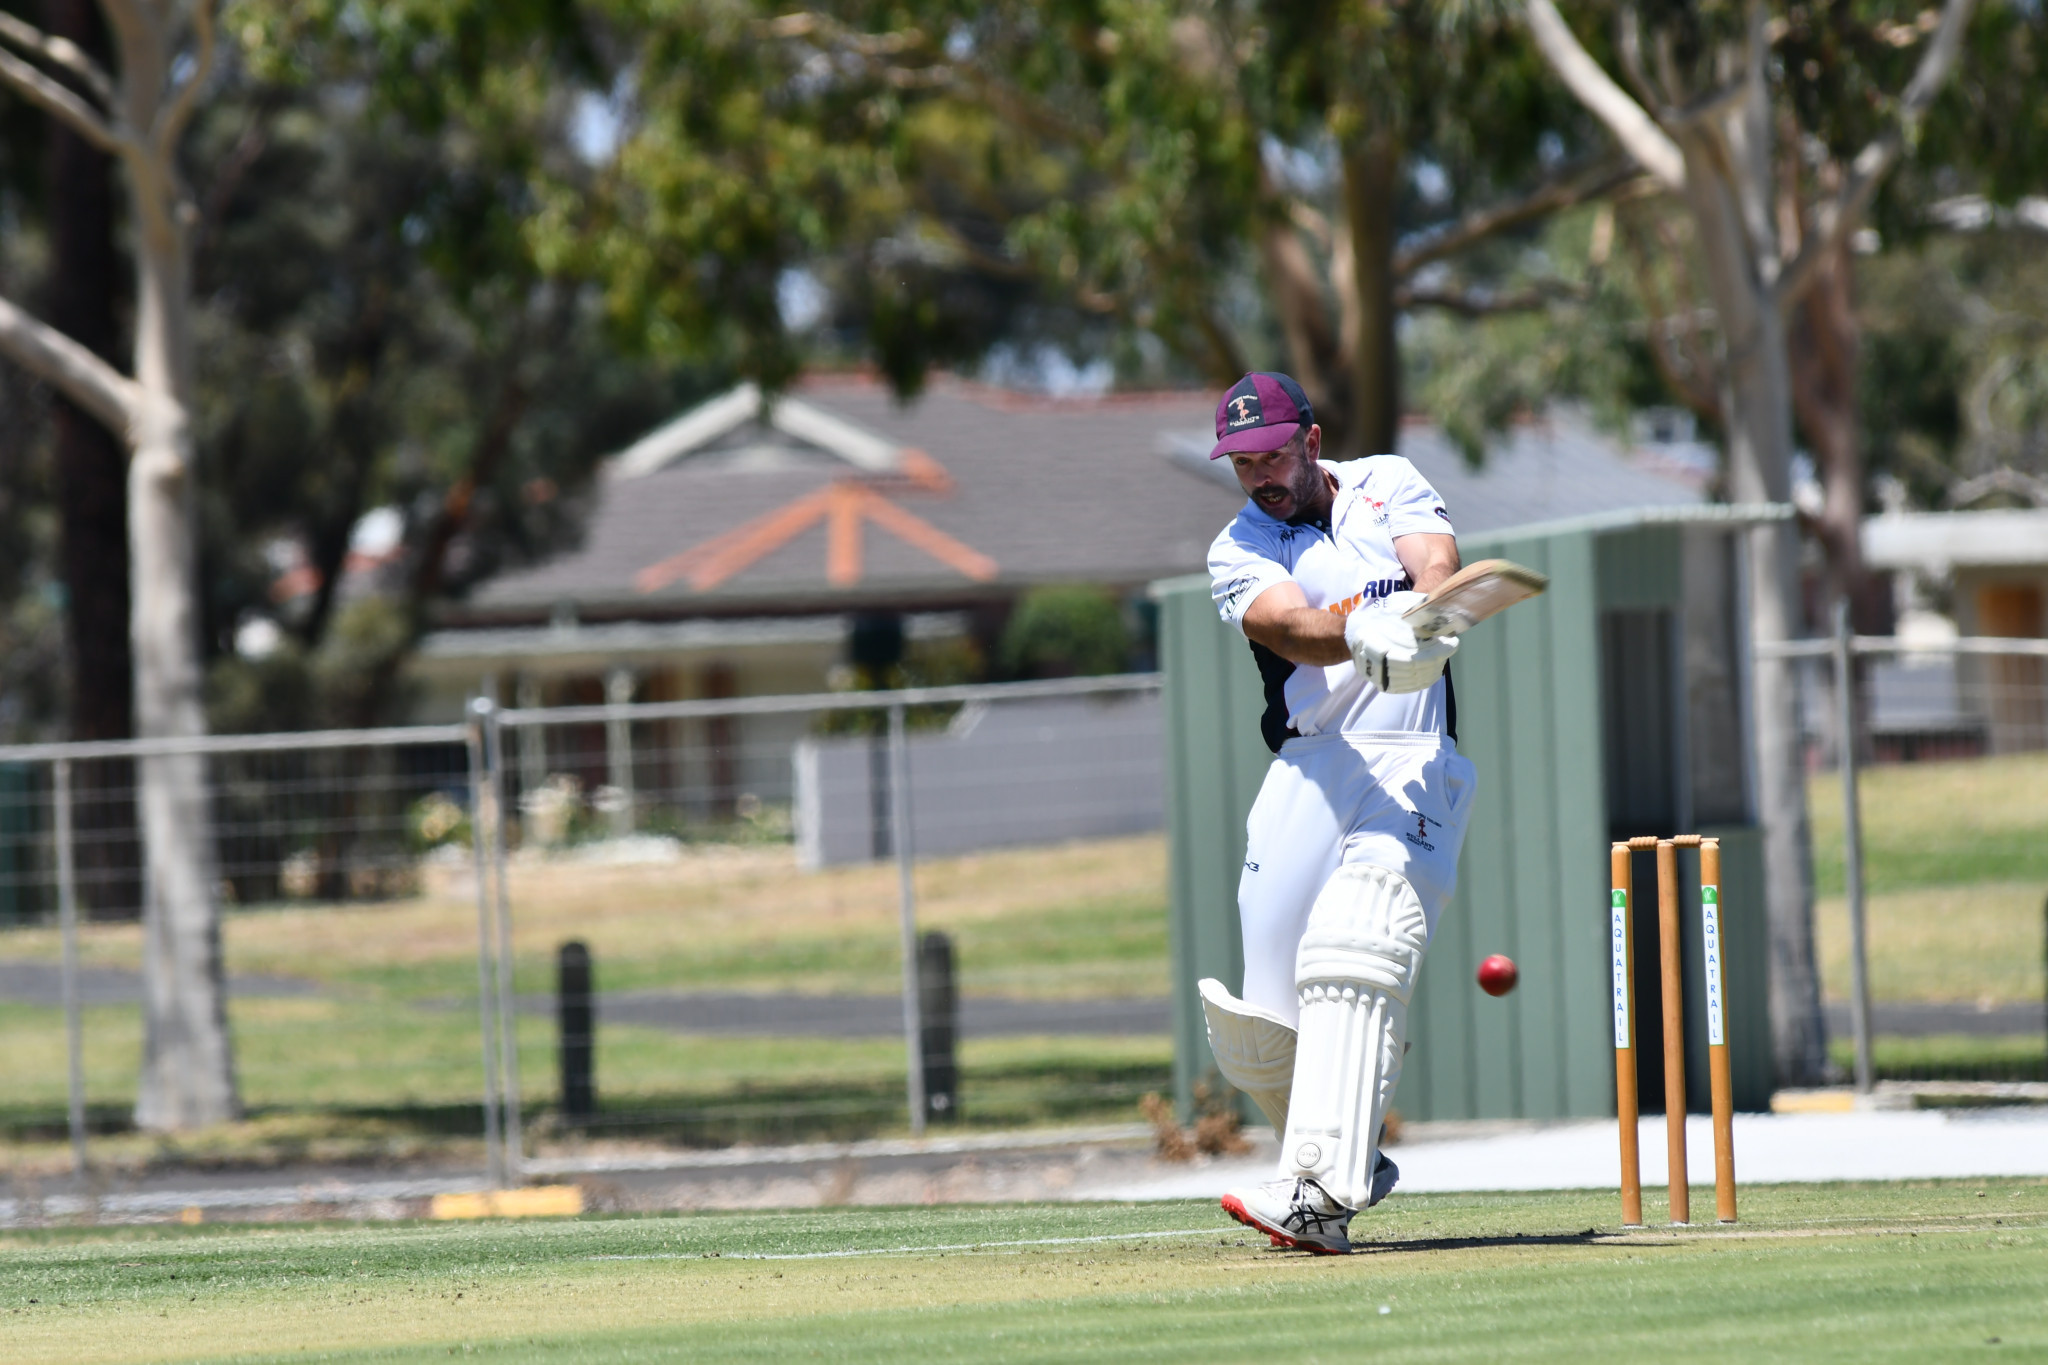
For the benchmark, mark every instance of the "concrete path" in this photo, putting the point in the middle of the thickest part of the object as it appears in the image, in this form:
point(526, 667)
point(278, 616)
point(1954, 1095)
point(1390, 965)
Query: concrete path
point(42, 983)
point(862, 1016)
point(881, 1016)
point(731, 1013)
point(1921, 1020)
point(1108, 1163)
point(1769, 1149)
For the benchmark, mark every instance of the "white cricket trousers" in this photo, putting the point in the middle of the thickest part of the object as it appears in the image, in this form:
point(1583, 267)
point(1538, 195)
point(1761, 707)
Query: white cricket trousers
point(1393, 799)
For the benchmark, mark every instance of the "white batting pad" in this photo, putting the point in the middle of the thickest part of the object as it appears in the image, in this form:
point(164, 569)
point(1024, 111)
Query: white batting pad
point(1254, 1049)
point(1354, 973)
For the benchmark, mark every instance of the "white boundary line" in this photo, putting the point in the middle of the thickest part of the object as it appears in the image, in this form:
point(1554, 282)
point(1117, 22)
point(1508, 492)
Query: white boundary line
point(909, 1251)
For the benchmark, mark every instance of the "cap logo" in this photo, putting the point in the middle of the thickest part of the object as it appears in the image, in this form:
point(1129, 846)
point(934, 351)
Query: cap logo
point(1245, 411)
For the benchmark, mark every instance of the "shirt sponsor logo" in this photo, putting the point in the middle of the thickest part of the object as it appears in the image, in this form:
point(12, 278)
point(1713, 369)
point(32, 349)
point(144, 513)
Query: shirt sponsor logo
point(1250, 866)
point(1442, 513)
point(1372, 592)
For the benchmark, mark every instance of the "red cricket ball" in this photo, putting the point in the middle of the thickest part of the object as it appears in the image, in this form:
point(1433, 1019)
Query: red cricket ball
point(1497, 975)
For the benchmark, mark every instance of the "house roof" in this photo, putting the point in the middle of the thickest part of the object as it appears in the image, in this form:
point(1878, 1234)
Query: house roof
point(843, 498)
point(1934, 542)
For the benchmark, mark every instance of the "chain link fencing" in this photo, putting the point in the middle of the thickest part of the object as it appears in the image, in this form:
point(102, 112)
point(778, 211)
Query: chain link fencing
point(687, 923)
point(1927, 767)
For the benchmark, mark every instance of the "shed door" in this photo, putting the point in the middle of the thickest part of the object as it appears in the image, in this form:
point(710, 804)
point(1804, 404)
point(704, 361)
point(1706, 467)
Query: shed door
point(1640, 722)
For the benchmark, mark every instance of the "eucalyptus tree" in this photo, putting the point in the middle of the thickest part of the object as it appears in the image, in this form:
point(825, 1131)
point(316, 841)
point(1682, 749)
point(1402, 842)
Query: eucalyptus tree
point(958, 176)
point(138, 114)
point(378, 334)
point(1344, 158)
point(1700, 115)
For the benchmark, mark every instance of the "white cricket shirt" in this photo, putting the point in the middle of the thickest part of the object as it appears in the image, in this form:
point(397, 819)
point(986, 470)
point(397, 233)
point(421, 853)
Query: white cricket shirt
point(1350, 565)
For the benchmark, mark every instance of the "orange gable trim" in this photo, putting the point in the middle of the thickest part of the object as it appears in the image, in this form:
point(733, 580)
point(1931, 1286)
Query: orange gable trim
point(843, 506)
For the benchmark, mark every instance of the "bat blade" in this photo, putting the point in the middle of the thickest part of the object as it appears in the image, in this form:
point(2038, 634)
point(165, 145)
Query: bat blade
point(1472, 594)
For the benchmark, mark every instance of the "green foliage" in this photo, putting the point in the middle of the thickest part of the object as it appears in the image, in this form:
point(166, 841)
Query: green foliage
point(1066, 631)
point(344, 680)
point(434, 821)
point(1955, 363)
point(374, 333)
point(1587, 346)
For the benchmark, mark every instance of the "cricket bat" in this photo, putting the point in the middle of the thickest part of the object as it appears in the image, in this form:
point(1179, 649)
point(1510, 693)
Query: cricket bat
point(1472, 594)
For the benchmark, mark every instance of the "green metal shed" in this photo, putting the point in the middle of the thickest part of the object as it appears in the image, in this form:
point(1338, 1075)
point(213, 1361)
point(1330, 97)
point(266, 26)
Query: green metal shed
point(1610, 706)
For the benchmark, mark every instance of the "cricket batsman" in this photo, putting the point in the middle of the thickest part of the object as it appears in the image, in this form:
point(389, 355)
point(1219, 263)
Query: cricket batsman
point(1353, 841)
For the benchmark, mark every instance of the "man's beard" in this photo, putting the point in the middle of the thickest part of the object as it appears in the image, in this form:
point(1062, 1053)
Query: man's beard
point(1306, 485)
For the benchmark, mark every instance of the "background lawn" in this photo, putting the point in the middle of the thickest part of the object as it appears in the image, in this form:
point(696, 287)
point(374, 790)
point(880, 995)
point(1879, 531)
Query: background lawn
point(1952, 823)
point(1930, 1271)
point(383, 1060)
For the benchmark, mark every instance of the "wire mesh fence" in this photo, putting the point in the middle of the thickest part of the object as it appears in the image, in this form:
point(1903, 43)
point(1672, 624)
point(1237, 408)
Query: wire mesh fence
point(1927, 772)
point(692, 922)
point(752, 879)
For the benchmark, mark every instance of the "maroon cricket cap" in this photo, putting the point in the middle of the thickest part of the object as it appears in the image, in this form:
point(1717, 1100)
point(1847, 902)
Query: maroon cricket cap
point(1261, 412)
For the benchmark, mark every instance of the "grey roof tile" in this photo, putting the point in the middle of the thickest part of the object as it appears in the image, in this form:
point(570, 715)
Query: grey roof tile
point(1051, 490)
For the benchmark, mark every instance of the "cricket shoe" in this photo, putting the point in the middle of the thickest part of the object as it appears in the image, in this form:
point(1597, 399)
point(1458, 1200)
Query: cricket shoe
point(1293, 1212)
point(1385, 1175)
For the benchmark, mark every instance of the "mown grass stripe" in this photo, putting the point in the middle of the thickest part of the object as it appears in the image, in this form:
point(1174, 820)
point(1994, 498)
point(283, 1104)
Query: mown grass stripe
point(907, 1251)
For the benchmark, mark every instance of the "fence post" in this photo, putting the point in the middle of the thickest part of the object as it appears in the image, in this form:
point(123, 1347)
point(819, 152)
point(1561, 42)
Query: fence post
point(939, 1007)
point(899, 838)
point(533, 758)
point(618, 744)
point(1852, 845)
point(479, 797)
point(67, 911)
point(508, 1018)
point(576, 1022)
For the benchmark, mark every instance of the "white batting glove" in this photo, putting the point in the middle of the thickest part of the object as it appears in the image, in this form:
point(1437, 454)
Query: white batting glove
point(1401, 603)
point(1385, 649)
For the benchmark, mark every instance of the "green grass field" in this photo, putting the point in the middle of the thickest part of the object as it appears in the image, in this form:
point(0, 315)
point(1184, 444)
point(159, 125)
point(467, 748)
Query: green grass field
point(1980, 942)
point(1953, 823)
point(1932, 1271)
point(383, 1064)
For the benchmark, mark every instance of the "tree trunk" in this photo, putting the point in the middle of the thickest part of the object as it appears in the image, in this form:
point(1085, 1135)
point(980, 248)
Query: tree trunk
point(92, 500)
point(1372, 171)
point(1736, 239)
point(1824, 347)
point(188, 1077)
point(1719, 155)
point(1314, 354)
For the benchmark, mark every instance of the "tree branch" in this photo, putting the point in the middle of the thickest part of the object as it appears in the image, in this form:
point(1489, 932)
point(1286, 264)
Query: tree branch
point(810, 24)
point(61, 52)
point(1692, 381)
point(1637, 132)
point(1705, 108)
point(171, 126)
point(1486, 302)
point(1562, 192)
point(110, 396)
point(62, 103)
point(458, 504)
point(1628, 46)
point(1837, 218)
